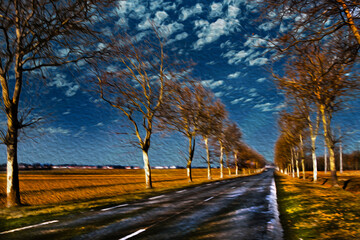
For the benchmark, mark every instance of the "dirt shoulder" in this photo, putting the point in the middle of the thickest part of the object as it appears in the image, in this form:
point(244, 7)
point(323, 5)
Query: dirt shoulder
point(316, 211)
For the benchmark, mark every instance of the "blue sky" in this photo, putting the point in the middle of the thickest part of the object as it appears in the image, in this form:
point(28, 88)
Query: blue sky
point(222, 37)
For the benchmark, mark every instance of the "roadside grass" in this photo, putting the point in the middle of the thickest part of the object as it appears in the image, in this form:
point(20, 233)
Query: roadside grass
point(317, 211)
point(48, 195)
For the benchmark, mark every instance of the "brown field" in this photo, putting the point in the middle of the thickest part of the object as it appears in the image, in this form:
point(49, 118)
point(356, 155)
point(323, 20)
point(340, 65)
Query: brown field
point(43, 187)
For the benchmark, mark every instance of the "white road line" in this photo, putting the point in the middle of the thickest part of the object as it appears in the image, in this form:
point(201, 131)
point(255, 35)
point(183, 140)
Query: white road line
point(160, 196)
point(27, 227)
point(110, 208)
point(233, 187)
point(133, 234)
point(181, 191)
point(208, 199)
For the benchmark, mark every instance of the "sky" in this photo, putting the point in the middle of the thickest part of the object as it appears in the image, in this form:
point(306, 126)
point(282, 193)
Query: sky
point(223, 38)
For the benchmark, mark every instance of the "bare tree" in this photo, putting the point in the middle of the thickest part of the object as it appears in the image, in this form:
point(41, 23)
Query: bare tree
point(181, 112)
point(232, 140)
point(320, 74)
point(311, 21)
point(212, 113)
point(137, 86)
point(32, 34)
point(220, 115)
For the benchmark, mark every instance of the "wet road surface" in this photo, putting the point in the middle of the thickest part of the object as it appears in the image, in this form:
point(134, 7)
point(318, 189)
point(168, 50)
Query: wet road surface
point(239, 208)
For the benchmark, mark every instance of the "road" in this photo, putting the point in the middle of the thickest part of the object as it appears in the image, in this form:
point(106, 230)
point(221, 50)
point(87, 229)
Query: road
point(238, 208)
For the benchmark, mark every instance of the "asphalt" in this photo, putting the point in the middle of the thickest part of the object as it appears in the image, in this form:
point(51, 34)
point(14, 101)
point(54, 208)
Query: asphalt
point(237, 208)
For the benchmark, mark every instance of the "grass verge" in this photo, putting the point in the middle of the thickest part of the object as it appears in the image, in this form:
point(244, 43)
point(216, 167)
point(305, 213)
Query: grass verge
point(314, 211)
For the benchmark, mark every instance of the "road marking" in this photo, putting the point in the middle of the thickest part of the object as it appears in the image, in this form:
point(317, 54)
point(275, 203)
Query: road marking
point(119, 206)
point(233, 187)
point(181, 191)
point(208, 199)
point(160, 196)
point(27, 227)
point(133, 234)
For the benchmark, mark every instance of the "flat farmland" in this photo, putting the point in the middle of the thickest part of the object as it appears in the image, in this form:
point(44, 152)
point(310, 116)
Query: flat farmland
point(43, 187)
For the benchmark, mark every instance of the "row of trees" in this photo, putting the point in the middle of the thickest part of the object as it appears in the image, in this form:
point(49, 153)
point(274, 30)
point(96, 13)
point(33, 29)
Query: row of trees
point(321, 47)
point(153, 90)
point(38, 34)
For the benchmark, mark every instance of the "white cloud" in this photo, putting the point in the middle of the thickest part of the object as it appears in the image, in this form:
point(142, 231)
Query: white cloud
point(258, 61)
point(181, 36)
point(55, 130)
point(234, 75)
point(255, 41)
point(189, 12)
point(216, 10)
point(160, 16)
point(235, 101)
point(233, 11)
point(59, 81)
point(237, 57)
point(212, 32)
point(265, 107)
point(267, 26)
point(260, 80)
point(212, 84)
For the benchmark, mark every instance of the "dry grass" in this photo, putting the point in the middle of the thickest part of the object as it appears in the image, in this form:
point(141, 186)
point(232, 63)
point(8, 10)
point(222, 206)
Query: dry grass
point(317, 211)
point(61, 186)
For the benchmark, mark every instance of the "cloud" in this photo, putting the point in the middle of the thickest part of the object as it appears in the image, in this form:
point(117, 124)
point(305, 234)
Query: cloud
point(233, 11)
point(212, 84)
point(189, 12)
point(216, 10)
point(265, 107)
point(55, 130)
point(210, 32)
point(234, 75)
point(260, 80)
point(60, 82)
point(237, 57)
point(181, 36)
point(258, 61)
point(267, 26)
point(235, 101)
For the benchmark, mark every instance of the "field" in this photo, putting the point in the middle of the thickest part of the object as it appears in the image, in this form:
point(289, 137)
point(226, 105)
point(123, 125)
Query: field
point(316, 211)
point(53, 193)
point(62, 186)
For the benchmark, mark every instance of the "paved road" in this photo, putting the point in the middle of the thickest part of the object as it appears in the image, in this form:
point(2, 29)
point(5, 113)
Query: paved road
point(241, 208)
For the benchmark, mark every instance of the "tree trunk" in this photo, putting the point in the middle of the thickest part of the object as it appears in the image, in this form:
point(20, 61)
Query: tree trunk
point(221, 160)
point(341, 158)
point(313, 155)
point(12, 188)
point(297, 168)
point(236, 164)
point(12, 175)
point(325, 158)
point(228, 163)
point(292, 162)
point(330, 144)
point(191, 155)
point(208, 158)
point(302, 156)
point(147, 169)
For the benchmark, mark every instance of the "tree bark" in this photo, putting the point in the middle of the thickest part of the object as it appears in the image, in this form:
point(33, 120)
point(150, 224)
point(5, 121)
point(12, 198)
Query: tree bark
point(330, 145)
point(208, 158)
point(236, 164)
point(221, 160)
point(191, 155)
point(12, 176)
point(147, 169)
point(302, 157)
point(313, 155)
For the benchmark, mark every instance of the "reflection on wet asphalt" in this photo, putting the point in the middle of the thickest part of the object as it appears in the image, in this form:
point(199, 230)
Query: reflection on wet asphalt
point(240, 208)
